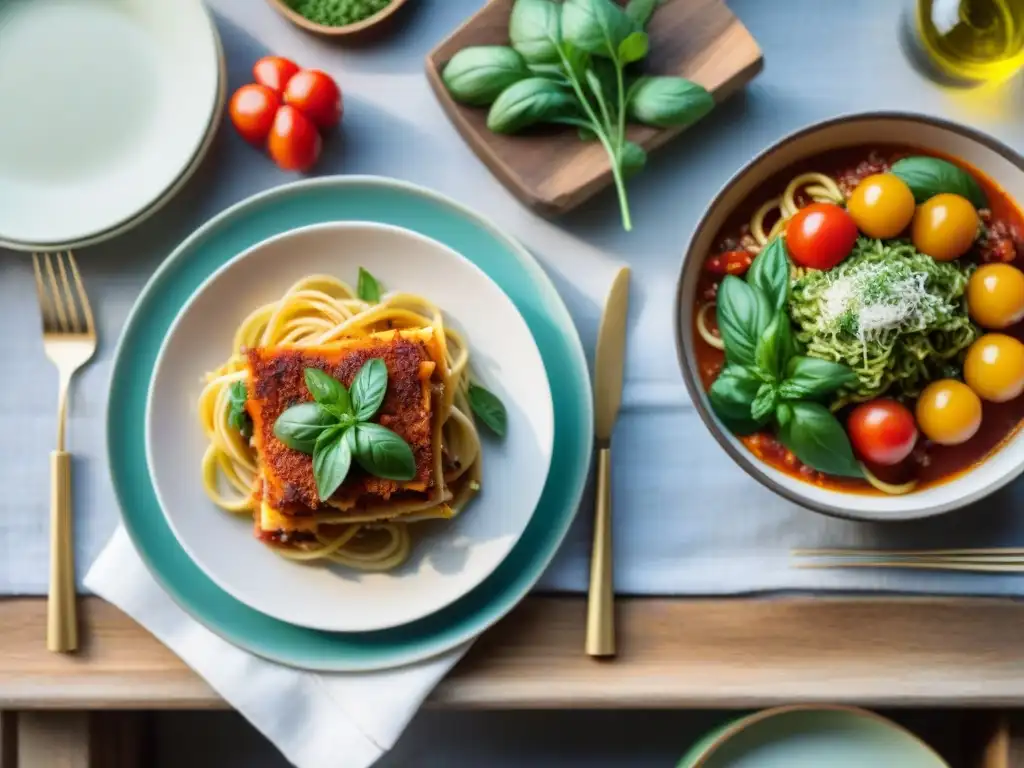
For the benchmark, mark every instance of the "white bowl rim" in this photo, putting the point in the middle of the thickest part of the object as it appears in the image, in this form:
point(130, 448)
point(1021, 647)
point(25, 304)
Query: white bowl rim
point(684, 338)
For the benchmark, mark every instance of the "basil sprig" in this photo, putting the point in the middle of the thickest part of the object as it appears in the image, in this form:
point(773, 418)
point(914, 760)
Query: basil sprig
point(336, 429)
point(368, 288)
point(489, 409)
point(930, 176)
point(238, 417)
point(572, 63)
point(767, 379)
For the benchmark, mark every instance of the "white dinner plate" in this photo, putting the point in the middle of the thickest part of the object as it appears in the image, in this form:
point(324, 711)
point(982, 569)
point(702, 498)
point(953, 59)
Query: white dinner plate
point(108, 103)
point(449, 558)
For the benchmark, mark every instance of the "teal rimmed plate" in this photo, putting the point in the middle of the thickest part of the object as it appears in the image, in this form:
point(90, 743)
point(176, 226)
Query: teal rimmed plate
point(279, 210)
point(808, 736)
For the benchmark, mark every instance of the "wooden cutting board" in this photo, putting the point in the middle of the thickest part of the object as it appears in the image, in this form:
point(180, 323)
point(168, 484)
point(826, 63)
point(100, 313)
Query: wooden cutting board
point(551, 170)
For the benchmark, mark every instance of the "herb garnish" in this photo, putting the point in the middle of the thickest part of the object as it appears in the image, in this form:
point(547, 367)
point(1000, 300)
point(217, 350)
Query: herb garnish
point(767, 379)
point(336, 428)
point(569, 64)
point(489, 409)
point(368, 288)
point(238, 417)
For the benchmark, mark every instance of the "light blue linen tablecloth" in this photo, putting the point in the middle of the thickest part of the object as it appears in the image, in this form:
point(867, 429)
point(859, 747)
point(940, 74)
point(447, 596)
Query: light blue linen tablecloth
point(687, 521)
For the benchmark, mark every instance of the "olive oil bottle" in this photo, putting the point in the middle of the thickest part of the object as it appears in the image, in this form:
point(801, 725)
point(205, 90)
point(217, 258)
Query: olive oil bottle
point(969, 41)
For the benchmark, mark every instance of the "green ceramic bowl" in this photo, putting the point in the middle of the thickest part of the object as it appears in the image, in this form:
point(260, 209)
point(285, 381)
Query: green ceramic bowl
point(349, 199)
point(811, 737)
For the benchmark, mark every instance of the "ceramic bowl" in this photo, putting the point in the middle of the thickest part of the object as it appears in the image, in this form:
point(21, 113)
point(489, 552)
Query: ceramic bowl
point(1001, 164)
point(809, 737)
point(449, 558)
point(376, 21)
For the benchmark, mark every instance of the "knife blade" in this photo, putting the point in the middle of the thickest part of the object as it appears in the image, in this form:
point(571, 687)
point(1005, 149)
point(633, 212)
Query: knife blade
point(610, 359)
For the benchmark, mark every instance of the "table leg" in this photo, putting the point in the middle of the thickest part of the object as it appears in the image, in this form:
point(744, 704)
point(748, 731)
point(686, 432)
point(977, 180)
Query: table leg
point(56, 739)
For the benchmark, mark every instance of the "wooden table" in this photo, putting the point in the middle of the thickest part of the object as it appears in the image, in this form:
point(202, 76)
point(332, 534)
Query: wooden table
point(698, 653)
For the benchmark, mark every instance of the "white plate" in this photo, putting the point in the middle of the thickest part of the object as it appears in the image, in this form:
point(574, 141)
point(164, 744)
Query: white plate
point(108, 102)
point(449, 558)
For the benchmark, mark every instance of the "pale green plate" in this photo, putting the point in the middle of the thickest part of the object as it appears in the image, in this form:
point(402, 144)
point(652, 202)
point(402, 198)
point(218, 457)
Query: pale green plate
point(811, 738)
point(349, 199)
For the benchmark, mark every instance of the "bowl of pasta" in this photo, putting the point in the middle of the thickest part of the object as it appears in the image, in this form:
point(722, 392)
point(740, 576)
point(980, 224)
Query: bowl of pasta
point(849, 316)
point(349, 426)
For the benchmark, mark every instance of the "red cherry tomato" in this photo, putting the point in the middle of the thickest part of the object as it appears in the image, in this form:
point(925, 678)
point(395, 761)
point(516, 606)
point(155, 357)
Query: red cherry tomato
point(729, 263)
point(820, 235)
point(252, 111)
point(317, 95)
point(882, 431)
point(294, 142)
point(274, 72)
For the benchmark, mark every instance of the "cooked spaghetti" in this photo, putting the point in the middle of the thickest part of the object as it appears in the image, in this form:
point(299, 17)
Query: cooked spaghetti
point(320, 322)
point(898, 318)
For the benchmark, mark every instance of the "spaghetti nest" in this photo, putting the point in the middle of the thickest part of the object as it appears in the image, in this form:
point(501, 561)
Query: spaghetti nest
point(318, 311)
point(897, 317)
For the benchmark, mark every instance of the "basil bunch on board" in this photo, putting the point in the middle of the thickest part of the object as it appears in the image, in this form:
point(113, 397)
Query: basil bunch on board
point(570, 63)
point(766, 378)
point(336, 428)
point(930, 176)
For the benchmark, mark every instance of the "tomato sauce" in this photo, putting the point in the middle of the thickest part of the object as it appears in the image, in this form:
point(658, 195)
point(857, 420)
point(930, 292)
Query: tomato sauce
point(930, 463)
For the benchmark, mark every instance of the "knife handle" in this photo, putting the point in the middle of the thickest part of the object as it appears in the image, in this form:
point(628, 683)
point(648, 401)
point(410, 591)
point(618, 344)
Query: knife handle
point(600, 602)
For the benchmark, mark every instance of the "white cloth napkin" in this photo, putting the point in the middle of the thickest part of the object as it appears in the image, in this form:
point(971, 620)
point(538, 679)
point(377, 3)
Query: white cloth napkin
point(317, 720)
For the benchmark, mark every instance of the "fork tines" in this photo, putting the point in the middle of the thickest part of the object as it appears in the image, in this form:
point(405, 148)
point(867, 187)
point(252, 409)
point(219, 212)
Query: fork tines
point(63, 302)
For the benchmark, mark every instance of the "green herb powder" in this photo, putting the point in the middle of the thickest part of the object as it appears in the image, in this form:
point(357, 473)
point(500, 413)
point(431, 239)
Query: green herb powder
point(337, 13)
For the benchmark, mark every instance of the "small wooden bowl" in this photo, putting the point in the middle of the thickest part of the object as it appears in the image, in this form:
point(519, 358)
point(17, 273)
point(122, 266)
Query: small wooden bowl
point(347, 30)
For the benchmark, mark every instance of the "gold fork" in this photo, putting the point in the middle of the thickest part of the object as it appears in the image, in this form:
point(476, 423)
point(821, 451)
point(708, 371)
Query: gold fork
point(69, 338)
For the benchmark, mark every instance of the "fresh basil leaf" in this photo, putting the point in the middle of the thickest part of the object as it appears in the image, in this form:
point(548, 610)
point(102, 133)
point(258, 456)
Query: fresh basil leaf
point(528, 102)
point(765, 402)
point(632, 159)
point(368, 288)
point(770, 272)
point(382, 453)
point(332, 460)
point(596, 26)
point(640, 11)
point(300, 426)
point(553, 72)
point(489, 409)
point(775, 345)
point(634, 48)
point(811, 377)
point(328, 391)
point(817, 438)
point(368, 388)
point(476, 75)
point(930, 176)
point(731, 396)
point(743, 313)
point(668, 101)
point(578, 59)
point(535, 29)
point(238, 416)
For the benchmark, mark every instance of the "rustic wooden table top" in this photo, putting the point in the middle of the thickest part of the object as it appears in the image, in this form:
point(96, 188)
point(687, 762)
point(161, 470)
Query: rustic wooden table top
point(673, 653)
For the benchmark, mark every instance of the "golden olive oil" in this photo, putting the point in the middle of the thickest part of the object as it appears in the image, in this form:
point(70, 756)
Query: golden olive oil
point(972, 40)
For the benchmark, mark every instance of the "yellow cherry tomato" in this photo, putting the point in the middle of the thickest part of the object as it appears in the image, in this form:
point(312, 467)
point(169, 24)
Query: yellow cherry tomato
point(995, 296)
point(945, 227)
point(948, 412)
point(994, 367)
point(882, 205)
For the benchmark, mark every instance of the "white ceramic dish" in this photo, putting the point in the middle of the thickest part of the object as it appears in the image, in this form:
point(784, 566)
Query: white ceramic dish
point(449, 558)
point(121, 101)
point(994, 159)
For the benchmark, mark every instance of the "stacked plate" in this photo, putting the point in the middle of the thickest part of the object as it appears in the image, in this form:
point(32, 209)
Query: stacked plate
point(463, 574)
point(110, 107)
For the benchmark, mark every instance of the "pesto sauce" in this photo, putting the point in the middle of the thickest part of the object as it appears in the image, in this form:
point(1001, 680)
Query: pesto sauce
point(337, 13)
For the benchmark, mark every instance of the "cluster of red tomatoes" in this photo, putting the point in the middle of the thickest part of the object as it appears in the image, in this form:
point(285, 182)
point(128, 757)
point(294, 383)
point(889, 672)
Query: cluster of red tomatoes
point(286, 110)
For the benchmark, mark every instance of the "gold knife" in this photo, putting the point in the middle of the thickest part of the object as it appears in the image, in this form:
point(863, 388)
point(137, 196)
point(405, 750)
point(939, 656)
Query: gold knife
point(609, 363)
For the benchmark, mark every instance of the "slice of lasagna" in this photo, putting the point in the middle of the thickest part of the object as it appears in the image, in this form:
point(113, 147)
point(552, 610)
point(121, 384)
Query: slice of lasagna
point(289, 508)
